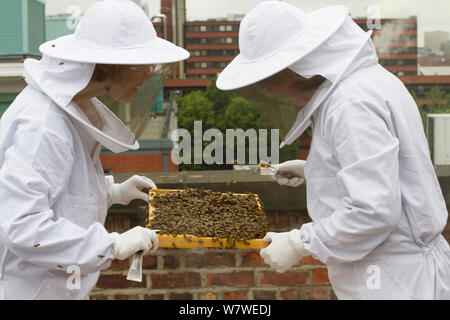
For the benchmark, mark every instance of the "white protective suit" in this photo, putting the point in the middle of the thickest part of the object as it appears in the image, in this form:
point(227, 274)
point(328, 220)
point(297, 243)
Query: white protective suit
point(54, 194)
point(372, 192)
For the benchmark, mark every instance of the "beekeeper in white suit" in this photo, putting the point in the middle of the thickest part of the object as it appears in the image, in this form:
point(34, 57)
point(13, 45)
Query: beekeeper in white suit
point(372, 193)
point(54, 195)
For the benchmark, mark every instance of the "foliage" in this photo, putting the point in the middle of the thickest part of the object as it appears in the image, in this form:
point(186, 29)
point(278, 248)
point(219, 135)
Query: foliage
point(438, 101)
point(221, 110)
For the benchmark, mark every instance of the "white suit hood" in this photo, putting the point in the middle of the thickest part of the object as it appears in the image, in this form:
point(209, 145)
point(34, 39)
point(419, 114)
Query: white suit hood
point(61, 81)
point(375, 202)
point(346, 51)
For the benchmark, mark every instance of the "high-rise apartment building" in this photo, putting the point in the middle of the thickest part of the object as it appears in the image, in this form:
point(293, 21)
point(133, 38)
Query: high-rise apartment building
point(214, 43)
point(435, 39)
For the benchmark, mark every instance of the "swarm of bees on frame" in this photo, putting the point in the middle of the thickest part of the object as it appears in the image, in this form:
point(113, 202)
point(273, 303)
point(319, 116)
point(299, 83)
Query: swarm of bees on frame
point(205, 213)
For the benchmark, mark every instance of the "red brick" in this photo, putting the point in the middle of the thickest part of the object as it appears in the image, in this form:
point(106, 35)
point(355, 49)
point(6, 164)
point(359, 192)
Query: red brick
point(125, 297)
point(192, 279)
point(316, 294)
point(117, 281)
point(219, 259)
point(150, 162)
point(181, 296)
point(294, 294)
point(333, 295)
point(281, 221)
point(207, 296)
point(159, 281)
point(237, 278)
point(149, 262)
point(194, 260)
point(310, 260)
point(320, 276)
point(251, 259)
point(98, 297)
point(176, 280)
point(235, 295)
point(119, 265)
point(290, 278)
point(154, 297)
point(171, 262)
point(264, 295)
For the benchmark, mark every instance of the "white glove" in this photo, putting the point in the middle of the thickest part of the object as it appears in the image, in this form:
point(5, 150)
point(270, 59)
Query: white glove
point(290, 173)
point(285, 250)
point(128, 243)
point(123, 193)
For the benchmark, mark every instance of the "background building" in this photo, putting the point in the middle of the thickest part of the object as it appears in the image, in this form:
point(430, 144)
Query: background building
point(23, 27)
point(212, 45)
point(435, 39)
point(396, 44)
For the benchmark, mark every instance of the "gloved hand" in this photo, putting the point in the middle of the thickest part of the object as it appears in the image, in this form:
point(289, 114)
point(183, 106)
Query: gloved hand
point(128, 243)
point(290, 173)
point(285, 250)
point(123, 193)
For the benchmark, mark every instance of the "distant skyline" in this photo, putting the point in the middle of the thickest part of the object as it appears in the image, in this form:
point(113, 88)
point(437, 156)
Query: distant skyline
point(433, 15)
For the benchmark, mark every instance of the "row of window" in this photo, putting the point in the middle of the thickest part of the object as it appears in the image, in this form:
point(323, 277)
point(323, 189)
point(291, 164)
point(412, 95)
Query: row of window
point(398, 73)
point(396, 25)
point(404, 73)
point(234, 52)
point(396, 50)
point(388, 38)
point(214, 53)
point(223, 64)
point(213, 28)
point(382, 46)
point(221, 40)
point(200, 76)
point(398, 62)
point(366, 25)
point(207, 65)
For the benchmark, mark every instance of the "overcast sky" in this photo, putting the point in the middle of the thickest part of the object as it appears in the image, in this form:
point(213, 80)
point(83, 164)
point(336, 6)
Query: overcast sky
point(432, 15)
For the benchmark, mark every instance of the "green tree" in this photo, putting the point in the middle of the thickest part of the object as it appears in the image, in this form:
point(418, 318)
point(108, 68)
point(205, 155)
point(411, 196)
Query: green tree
point(220, 99)
point(229, 110)
point(195, 106)
point(437, 101)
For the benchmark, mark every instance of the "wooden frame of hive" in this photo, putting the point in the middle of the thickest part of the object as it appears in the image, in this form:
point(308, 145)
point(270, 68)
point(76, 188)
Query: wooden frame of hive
point(192, 241)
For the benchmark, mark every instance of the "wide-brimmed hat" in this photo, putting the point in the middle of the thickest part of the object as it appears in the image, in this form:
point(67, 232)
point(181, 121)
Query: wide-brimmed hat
point(114, 32)
point(273, 36)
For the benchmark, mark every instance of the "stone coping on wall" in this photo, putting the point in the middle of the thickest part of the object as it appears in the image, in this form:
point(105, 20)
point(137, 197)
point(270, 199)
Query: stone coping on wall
point(274, 196)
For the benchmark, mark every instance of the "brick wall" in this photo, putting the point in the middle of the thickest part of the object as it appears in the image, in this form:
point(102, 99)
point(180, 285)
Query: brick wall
point(222, 273)
point(304, 144)
point(225, 274)
point(136, 162)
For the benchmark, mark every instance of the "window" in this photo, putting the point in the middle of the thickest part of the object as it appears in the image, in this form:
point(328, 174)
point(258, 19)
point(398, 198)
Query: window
point(229, 40)
point(229, 28)
point(202, 28)
point(221, 28)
